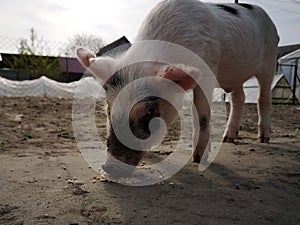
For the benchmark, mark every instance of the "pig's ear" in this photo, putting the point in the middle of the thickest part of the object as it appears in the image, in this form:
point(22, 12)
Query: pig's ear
point(101, 67)
point(85, 56)
point(184, 76)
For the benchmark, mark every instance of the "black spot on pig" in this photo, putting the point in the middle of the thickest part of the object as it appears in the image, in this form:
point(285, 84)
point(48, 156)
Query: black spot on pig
point(203, 123)
point(247, 6)
point(228, 9)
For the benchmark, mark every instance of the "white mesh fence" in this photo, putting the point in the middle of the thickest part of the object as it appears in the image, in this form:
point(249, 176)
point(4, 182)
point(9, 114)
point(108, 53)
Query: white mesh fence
point(49, 88)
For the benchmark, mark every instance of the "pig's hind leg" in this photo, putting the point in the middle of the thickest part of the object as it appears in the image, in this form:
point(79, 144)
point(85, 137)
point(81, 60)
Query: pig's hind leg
point(265, 78)
point(263, 108)
point(236, 110)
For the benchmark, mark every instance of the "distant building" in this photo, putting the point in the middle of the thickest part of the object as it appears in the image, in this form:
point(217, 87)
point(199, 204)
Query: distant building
point(71, 69)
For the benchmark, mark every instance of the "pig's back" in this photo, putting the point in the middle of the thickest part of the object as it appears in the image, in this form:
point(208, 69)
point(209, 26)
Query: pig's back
point(183, 22)
point(246, 36)
point(223, 34)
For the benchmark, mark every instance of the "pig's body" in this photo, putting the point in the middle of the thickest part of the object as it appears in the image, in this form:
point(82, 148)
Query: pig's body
point(237, 41)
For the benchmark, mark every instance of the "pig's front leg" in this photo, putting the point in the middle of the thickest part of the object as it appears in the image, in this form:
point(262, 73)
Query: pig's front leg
point(201, 118)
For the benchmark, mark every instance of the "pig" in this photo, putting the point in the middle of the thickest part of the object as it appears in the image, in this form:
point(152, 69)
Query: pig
point(236, 41)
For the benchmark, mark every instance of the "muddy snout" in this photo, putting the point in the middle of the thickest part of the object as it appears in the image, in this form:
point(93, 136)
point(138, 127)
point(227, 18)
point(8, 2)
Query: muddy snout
point(115, 170)
point(121, 160)
point(121, 166)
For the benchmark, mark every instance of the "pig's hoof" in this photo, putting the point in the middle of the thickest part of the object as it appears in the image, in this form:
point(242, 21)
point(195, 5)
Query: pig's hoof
point(263, 140)
point(228, 139)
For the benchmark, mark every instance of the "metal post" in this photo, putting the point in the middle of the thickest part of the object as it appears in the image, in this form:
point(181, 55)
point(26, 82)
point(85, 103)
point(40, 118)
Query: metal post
point(67, 69)
point(236, 1)
point(295, 81)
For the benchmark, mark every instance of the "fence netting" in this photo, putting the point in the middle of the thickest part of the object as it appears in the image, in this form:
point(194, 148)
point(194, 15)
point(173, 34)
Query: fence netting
point(88, 87)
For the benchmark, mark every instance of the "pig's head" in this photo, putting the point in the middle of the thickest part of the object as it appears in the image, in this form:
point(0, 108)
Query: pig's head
point(142, 112)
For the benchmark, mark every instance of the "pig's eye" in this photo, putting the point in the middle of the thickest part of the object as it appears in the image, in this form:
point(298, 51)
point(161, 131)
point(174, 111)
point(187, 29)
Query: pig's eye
point(151, 111)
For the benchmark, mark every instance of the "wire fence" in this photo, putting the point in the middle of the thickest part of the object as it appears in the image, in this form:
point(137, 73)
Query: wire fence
point(11, 45)
point(292, 75)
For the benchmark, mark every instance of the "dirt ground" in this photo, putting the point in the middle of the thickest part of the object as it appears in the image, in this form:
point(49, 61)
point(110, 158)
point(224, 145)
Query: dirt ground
point(45, 180)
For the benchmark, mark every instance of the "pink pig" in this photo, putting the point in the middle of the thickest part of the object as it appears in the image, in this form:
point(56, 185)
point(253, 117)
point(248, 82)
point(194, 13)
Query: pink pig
point(237, 42)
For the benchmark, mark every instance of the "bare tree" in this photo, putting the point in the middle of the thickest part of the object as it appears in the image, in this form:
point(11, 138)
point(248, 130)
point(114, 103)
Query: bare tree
point(91, 42)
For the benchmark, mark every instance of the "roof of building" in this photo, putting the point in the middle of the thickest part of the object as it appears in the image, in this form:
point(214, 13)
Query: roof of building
point(293, 55)
point(283, 50)
point(121, 41)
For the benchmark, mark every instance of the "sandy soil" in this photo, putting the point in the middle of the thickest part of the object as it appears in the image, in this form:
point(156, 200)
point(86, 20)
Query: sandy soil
point(44, 179)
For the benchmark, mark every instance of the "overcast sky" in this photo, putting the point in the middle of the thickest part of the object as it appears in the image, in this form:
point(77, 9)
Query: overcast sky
point(59, 20)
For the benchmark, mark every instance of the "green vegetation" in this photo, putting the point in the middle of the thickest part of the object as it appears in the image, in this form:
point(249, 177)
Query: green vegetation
point(30, 62)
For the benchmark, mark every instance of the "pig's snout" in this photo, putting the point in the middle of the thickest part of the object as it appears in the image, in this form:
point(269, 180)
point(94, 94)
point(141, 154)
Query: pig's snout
point(120, 166)
point(115, 170)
